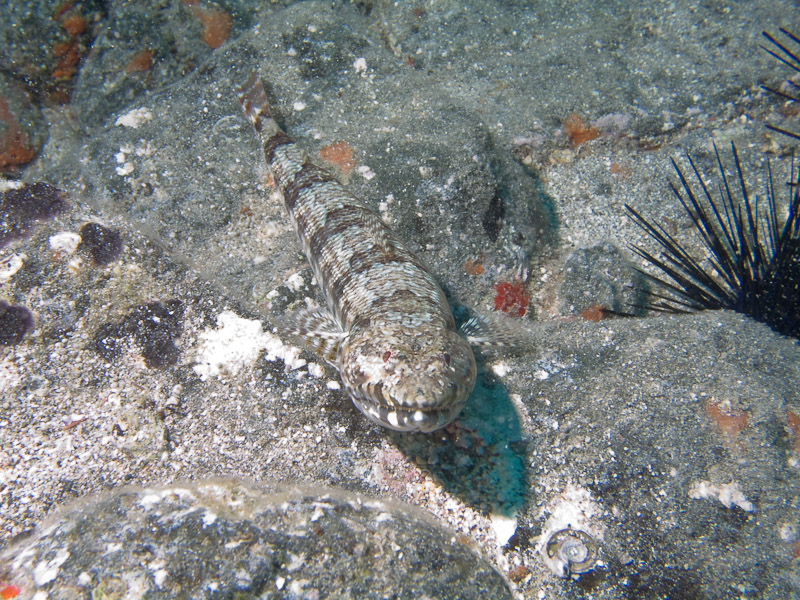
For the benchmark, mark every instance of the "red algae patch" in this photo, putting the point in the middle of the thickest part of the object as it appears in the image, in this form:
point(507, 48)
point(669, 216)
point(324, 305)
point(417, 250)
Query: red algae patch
point(340, 155)
point(511, 298)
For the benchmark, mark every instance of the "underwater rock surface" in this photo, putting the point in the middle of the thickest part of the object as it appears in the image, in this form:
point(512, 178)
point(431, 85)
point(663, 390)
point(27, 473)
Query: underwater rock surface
point(226, 539)
point(614, 458)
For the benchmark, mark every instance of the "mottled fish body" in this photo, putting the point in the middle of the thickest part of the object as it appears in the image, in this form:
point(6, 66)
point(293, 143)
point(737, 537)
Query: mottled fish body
point(388, 328)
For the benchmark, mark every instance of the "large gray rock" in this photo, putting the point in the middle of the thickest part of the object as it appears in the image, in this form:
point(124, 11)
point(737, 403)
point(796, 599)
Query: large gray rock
point(227, 539)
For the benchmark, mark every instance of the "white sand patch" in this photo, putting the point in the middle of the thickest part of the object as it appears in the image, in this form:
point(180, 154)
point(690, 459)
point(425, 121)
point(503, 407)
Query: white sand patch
point(235, 344)
point(730, 494)
point(134, 118)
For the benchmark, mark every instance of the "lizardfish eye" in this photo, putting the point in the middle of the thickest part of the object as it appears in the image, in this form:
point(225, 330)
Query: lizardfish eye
point(446, 357)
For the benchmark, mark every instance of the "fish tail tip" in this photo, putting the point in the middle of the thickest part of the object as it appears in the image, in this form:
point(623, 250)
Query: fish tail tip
point(254, 100)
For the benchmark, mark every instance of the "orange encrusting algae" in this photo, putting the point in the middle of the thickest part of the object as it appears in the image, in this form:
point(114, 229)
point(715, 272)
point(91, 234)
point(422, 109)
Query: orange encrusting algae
point(68, 53)
point(474, 267)
point(594, 313)
point(141, 61)
point(340, 155)
point(729, 422)
point(68, 59)
point(63, 9)
point(216, 24)
point(577, 131)
point(793, 420)
point(517, 574)
point(73, 25)
point(14, 147)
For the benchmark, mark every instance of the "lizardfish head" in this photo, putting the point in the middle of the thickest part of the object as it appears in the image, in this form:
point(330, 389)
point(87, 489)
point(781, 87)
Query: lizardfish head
point(406, 379)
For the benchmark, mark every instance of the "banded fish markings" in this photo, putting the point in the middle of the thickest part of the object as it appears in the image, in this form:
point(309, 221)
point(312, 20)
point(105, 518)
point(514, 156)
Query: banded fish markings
point(387, 327)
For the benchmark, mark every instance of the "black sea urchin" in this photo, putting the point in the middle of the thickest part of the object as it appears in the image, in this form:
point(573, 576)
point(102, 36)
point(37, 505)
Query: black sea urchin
point(784, 52)
point(754, 262)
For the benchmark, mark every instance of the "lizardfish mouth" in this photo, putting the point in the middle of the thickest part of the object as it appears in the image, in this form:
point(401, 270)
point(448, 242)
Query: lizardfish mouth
point(409, 419)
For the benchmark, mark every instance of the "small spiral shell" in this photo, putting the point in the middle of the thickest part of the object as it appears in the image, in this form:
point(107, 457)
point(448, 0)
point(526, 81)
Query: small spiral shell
point(571, 551)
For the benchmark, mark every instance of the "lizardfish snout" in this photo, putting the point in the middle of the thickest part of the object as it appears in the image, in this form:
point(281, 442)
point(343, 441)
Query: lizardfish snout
point(418, 385)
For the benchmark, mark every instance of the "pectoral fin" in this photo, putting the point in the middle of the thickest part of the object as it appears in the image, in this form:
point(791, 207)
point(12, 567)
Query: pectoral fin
point(495, 331)
point(317, 329)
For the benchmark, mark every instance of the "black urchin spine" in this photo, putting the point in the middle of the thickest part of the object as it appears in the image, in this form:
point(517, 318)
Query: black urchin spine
point(754, 264)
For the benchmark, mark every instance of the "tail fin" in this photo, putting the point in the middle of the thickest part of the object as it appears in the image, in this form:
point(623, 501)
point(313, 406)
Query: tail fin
point(254, 102)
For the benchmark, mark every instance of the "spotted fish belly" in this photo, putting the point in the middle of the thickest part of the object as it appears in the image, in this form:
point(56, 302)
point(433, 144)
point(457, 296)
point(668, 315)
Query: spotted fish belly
point(388, 327)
